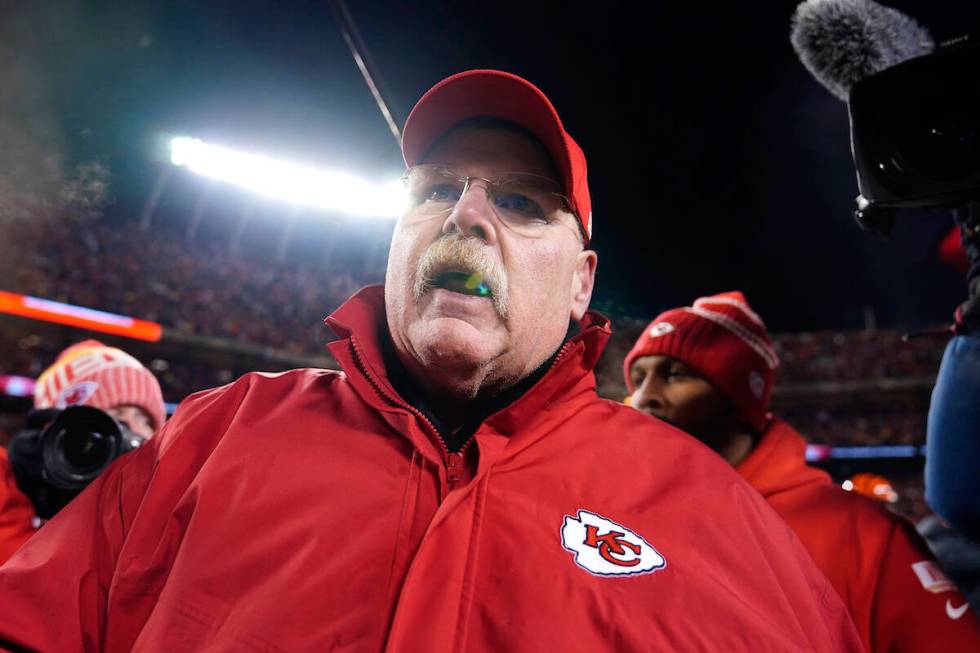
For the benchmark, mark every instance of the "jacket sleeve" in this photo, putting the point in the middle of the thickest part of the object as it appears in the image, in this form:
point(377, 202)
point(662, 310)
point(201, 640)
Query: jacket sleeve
point(16, 511)
point(916, 607)
point(953, 436)
point(54, 590)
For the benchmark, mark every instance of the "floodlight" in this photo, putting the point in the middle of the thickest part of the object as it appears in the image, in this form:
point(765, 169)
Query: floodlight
point(325, 189)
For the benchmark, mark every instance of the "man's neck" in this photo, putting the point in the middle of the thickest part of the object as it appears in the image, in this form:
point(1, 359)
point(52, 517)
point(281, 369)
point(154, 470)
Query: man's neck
point(737, 448)
point(457, 417)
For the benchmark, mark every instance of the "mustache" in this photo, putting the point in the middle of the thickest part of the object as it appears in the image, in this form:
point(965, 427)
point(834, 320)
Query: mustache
point(463, 254)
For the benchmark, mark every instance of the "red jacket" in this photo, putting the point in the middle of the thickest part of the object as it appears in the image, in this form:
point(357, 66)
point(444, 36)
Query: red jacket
point(897, 595)
point(317, 511)
point(16, 511)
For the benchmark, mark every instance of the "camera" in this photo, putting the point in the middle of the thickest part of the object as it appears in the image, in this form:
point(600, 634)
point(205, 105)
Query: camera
point(915, 135)
point(60, 452)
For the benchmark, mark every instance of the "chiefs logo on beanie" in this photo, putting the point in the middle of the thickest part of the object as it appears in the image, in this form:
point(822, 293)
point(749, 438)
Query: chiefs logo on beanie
point(723, 339)
point(90, 373)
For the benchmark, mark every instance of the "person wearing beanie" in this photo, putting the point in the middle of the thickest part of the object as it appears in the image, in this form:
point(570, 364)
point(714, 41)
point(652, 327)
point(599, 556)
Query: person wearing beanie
point(457, 485)
point(709, 369)
point(91, 374)
point(85, 374)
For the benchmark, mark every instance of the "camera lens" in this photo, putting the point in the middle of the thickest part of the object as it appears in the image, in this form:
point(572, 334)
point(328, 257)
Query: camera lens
point(86, 451)
point(78, 445)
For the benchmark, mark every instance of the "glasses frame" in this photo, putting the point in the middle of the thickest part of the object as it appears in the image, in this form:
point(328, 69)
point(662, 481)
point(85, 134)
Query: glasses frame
point(466, 180)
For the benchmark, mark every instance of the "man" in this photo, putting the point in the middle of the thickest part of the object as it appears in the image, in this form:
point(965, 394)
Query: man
point(85, 374)
point(459, 486)
point(709, 370)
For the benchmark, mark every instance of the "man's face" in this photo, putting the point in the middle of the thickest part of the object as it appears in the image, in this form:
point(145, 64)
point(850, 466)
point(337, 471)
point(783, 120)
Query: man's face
point(667, 388)
point(134, 417)
point(470, 342)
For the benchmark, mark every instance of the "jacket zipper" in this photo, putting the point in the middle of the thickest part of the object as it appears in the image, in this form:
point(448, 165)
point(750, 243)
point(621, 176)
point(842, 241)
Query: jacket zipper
point(452, 460)
point(561, 353)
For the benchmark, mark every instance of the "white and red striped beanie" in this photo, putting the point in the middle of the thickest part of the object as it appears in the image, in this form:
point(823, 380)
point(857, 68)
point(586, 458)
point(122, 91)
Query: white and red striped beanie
point(721, 338)
point(90, 373)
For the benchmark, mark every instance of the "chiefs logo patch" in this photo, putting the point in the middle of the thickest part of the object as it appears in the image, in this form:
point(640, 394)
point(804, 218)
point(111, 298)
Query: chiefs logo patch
point(661, 329)
point(76, 395)
point(604, 548)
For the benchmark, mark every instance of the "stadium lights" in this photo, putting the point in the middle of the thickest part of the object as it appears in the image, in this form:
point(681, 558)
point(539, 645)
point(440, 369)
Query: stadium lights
point(336, 191)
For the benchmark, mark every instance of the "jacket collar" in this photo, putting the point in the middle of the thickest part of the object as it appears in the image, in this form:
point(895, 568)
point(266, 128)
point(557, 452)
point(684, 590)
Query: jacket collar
point(361, 327)
point(778, 461)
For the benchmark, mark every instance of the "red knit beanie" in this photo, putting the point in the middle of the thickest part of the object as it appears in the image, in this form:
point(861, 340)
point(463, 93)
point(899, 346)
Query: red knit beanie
point(722, 339)
point(93, 374)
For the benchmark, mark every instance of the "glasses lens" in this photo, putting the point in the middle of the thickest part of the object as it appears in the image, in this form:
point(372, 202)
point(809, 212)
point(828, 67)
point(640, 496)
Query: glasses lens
point(432, 190)
point(527, 203)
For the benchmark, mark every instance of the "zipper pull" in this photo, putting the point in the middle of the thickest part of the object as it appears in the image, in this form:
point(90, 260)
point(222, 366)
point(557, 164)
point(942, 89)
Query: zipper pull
point(453, 464)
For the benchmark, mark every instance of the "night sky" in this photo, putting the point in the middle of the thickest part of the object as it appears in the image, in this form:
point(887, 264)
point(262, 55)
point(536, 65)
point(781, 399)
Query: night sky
point(716, 162)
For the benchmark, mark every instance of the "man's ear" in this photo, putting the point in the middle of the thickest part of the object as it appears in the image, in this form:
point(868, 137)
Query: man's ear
point(583, 281)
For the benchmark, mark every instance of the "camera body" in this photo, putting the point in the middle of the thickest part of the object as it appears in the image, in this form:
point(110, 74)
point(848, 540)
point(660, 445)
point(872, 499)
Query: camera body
point(60, 452)
point(915, 134)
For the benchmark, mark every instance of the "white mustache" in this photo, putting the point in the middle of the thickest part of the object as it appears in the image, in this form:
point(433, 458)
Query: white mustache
point(463, 254)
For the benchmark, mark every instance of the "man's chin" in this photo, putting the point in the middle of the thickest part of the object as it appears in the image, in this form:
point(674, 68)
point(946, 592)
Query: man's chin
point(454, 341)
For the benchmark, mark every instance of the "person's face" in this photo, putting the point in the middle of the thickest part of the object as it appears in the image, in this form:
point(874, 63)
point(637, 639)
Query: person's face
point(667, 388)
point(134, 417)
point(467, 341)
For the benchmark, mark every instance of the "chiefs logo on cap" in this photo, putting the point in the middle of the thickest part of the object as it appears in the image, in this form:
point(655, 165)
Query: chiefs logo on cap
point(76, 395)
point(661, 329)
point(604, 548)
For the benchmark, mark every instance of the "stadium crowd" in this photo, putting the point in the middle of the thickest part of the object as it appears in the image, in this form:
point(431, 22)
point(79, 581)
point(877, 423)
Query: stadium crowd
point(884, 420)
point(191, 287)
point(829, 356)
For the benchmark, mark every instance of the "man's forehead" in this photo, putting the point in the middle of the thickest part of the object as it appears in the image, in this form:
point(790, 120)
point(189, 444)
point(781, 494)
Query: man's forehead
point(492, 147)
point(654, 360)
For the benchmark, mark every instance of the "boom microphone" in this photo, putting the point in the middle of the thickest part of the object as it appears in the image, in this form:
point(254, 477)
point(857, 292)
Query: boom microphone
point(843, 41)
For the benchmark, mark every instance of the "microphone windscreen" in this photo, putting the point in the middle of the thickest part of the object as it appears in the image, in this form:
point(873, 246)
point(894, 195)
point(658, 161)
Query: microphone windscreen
point(843, 41)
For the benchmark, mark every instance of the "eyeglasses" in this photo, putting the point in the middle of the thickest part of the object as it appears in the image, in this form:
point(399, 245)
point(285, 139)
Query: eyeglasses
point(525, 203)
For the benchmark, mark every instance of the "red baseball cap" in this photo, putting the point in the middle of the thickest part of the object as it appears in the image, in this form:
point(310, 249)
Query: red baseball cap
point(496, 94)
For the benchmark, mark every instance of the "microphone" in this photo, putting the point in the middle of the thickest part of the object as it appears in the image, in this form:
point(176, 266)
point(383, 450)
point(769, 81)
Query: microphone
point(843, 41)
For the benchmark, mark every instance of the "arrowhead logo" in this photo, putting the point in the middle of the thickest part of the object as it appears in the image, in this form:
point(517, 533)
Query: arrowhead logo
point(604, 548)
point(955, 613)
point(77, 394)
point(661, 329)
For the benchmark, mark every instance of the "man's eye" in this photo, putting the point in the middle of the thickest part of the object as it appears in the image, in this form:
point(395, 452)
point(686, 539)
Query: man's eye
point(441, 193)
point(520, 204)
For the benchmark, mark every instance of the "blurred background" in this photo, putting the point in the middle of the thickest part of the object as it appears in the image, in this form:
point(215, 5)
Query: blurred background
point(716, 163)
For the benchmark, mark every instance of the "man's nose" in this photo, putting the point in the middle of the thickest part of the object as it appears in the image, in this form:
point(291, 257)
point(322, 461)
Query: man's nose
point(473, 214)
point(649, 395)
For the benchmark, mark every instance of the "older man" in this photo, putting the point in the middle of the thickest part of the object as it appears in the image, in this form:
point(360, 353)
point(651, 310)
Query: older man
point(708, 369)
point(459, 486)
